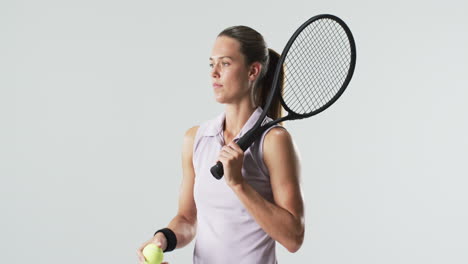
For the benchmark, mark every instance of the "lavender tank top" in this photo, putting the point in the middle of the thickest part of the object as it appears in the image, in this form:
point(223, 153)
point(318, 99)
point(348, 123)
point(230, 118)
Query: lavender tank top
point(226, 232)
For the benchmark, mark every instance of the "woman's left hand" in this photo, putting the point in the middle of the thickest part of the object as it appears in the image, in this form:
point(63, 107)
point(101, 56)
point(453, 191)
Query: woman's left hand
point(232, 158)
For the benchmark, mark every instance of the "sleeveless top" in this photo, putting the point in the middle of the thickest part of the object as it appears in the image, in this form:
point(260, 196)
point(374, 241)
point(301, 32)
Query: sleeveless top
point(226, 232)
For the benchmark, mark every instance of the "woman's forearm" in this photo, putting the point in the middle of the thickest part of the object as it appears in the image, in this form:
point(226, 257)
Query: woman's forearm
point(184, 229)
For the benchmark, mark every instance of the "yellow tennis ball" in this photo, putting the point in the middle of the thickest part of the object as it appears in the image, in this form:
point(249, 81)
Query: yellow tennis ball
point(153, 254)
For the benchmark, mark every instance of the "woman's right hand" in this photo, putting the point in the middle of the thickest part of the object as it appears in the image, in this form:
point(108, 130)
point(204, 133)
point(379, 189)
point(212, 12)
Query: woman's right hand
point(159, 240)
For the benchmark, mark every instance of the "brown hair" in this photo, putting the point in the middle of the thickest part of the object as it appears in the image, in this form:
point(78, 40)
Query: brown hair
point(254, 49)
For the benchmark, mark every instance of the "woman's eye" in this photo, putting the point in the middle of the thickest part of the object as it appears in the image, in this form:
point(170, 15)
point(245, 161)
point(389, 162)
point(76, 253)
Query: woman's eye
point(223, 63)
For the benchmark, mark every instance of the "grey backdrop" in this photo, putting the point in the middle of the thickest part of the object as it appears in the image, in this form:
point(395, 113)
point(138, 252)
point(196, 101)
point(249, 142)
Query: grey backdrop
point(90, 158)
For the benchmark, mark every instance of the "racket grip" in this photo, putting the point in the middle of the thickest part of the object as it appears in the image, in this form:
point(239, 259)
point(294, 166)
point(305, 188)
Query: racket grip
point(217, 170)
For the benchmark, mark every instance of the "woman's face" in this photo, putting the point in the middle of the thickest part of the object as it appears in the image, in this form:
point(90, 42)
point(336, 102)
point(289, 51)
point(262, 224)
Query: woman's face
point(230, 75)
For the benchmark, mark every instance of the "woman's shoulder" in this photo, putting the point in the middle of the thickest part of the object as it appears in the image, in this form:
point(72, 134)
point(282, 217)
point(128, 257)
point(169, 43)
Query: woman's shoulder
point(279, 149)
point(277, 132)
point(191, 133)
point(277, 138)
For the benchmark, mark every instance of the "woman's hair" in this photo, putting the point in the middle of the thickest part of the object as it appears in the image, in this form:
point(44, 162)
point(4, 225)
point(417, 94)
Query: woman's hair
point(254, 49)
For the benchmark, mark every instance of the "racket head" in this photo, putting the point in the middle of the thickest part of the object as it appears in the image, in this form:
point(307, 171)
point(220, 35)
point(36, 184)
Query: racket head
point(315, 66)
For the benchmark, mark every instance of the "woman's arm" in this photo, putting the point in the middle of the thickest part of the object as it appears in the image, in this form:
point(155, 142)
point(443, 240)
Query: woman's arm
point(283, 220)
point(185, 222)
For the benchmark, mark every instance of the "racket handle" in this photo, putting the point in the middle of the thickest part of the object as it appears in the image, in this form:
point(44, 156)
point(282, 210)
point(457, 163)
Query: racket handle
point(217, 170)
point(244, 143)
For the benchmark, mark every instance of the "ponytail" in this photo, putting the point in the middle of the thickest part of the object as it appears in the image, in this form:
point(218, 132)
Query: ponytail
point(264, 87)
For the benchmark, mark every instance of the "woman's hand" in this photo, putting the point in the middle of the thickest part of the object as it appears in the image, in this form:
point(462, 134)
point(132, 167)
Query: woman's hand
point(232, 158)
point(159, 240)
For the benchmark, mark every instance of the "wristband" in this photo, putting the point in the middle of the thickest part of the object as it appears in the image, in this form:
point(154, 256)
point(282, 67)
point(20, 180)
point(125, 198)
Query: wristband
point(170, 237)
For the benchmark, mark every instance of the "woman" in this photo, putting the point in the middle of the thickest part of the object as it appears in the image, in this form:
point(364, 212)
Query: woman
point(239, 218)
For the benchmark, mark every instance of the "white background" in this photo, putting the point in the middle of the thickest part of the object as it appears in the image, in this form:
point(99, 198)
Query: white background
point(95, 97)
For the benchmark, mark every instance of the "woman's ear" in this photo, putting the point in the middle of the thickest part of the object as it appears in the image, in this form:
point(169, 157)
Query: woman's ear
point(254, 71)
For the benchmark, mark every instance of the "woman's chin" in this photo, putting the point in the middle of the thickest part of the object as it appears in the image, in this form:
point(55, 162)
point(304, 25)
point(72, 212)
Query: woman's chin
point(220, 99)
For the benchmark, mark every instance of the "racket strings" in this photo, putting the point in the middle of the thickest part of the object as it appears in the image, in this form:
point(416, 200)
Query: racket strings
point(316, 66)
point(326, 95)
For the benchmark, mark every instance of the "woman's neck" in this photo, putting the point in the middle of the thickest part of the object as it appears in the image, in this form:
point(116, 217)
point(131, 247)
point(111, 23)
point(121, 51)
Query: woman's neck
point(236, 117)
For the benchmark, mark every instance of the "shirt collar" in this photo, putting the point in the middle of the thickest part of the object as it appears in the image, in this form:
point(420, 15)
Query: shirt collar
point(216, 126)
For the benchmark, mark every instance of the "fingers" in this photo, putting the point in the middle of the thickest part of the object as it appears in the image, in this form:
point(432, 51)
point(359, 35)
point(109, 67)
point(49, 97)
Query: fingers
point(140, 252)
point(231, 154)
point(225, 154)
point(231, 150)
point(141, 258)
point(235, 147)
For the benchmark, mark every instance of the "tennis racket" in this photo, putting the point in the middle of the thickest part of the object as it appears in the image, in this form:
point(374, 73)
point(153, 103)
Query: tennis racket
point(315, 68)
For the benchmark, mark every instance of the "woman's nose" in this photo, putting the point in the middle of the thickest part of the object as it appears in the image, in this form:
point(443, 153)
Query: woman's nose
point(214, 71)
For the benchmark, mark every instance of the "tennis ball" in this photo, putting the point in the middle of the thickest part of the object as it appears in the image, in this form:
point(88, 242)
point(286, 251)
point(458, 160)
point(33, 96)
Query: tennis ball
point(153, 254)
